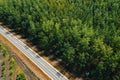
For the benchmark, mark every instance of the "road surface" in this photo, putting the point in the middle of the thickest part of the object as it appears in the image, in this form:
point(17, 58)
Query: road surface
point(47, 68)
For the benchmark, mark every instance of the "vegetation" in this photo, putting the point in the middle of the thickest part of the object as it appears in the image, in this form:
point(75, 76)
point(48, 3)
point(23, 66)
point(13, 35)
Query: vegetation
point(85, 34)
point(3, 69)
point(4, 52)
point(21, 77)
point(12, 66)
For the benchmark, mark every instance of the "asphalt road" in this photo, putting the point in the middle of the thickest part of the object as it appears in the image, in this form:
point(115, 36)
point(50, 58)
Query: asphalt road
point(47, 68)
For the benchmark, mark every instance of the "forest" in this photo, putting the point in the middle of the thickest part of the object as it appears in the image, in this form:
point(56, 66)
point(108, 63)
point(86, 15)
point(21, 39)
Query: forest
point(85, 34)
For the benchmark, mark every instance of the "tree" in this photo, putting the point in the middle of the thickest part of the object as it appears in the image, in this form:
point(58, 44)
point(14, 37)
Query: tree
point(84, 34)
point(20, 77)
point(4, 52)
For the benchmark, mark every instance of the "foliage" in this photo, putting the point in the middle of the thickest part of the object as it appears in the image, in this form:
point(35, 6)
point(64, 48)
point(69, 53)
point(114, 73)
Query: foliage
point(3, 71)
point(12, 66)
point(12, 60)
point(4, 52)
point(11, 72)
point(85, 34)
point(21, 77)
point(3, 63)
point(3, 49)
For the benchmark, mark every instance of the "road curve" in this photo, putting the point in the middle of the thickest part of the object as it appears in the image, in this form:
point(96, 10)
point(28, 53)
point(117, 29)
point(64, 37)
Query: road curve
point(47, 68)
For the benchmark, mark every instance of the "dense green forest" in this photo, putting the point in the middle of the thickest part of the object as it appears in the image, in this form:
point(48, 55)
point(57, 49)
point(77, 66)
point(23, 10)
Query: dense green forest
point(85, 34)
